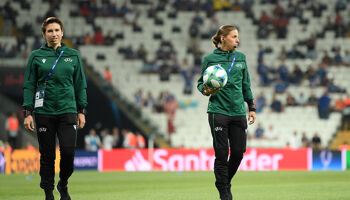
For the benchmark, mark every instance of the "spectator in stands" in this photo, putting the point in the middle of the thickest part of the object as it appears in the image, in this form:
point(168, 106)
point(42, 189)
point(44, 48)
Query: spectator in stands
point(339, 104)
point(130, 139)
point(326, 59)
point(280, 24)
point(294, 53)
point(316, 142)
point(271, 133)
point(170, 108)
point(333, 88)
point(141, 142)
point(296, 76)
point(263, 71)
point(263, 31)
point(213, 25)
point(346, 58)
point(260, 102)
point(88, 39)
point(290, 101)
point(98, 37)
point(338, 60)
point(304, 140)
point(322, 75)
point(283, 53)
point(139, 101)
point(159, 106)
point(107, 75)
point(276, 105)
point(265, 18)
point(344, 147)
point(311, 76)
point(118, 138)
point(280, 86)
point(283, 71)
point(259, 132)
point(108, 39)
point(193, 33)
point(36, 44)
point(312, 100)
point(11, 126)
point(164, 72)
point(324, 106)
point(310, 45)
point(141, 52)
point(149, 101)
point(92, 141)
point(339, 26)
point(129, 52)
point(301, 100)
point(130, 17)
point(294, 140)
point(188, 76)
point(107, 139)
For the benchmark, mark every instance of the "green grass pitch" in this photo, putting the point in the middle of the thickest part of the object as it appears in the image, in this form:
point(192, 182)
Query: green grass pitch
point(93, 185)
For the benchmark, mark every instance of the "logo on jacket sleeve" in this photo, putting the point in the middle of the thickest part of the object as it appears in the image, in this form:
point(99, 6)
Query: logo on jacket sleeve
point(218, 128)
point(68, 60)
point(42, 129)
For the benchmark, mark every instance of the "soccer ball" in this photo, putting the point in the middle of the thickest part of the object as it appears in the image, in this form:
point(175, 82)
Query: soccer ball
point(215, 77)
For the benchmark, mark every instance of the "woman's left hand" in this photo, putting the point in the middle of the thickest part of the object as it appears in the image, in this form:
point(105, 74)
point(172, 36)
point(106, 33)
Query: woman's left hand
point(81, 120)
point(251, 117)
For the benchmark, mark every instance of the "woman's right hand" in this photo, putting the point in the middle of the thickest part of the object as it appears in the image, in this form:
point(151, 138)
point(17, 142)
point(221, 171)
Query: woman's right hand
point(29, 123)
point(209, 91)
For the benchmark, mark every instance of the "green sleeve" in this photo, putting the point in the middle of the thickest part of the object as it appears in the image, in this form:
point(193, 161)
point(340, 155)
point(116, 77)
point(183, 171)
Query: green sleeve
point(29, 84)
point(200, 85)
point(247, 92)
point(80, 83)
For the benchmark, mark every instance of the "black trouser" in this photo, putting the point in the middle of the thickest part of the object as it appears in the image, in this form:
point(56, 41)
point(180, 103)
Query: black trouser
point(229, 133)
point(47, 127)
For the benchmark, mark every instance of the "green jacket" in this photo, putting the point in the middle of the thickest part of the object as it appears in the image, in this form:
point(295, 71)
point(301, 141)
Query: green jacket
point(230, 99)
point(66, 88)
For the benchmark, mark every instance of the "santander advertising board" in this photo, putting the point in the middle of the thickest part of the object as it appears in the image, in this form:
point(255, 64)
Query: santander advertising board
point(198, 160)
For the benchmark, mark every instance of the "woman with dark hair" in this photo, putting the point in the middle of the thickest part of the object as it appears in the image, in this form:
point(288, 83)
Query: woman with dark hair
point(226, 109)
point(55, 92)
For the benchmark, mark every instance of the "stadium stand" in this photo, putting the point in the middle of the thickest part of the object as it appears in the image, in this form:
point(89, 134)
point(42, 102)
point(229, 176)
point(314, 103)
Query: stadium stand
point(166, 26)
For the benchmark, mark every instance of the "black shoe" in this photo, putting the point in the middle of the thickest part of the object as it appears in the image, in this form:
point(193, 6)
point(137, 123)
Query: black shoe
point(229, 192)
point(63, 190)
point(223, 194)
point(49, 195)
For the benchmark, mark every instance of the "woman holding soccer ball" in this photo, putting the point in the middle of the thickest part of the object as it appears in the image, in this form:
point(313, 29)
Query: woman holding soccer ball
point(226, 109)
point(55, 92)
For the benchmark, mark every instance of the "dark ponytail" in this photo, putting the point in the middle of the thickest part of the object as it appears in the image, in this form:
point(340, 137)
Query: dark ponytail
point(222, 31)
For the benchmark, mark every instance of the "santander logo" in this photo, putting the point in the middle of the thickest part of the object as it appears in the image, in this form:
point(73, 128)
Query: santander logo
point(181, 162)
point(202, 159)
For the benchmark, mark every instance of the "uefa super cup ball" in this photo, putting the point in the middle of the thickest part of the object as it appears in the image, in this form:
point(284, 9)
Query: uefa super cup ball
point(215, 77)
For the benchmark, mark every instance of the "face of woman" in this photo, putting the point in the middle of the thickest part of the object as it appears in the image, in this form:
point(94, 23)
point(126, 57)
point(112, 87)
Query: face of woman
point(230, 41)
point(53, 34)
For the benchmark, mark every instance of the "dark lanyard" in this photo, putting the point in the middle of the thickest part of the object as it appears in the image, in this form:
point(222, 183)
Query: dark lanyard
point(233, 62)
point(53, 67)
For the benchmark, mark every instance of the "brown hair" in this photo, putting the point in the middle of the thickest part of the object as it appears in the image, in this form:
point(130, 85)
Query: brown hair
point(222, 31)
point(51, 20)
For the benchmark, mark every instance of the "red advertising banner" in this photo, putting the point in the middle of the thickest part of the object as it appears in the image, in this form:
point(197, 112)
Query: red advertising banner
point(199, 159)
